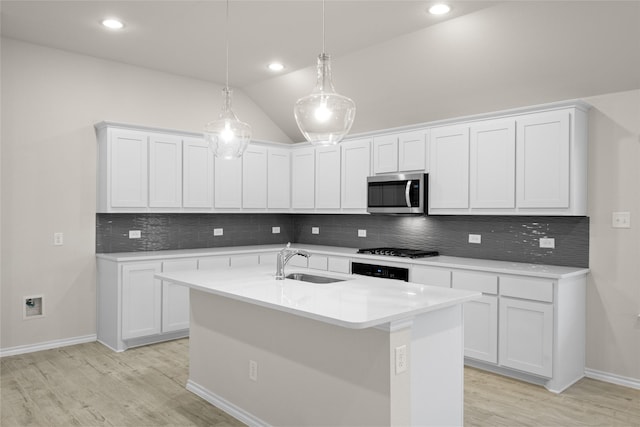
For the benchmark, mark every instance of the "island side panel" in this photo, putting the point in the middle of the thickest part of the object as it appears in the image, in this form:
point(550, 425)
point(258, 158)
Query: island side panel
point(309, 372)
point(437, 368)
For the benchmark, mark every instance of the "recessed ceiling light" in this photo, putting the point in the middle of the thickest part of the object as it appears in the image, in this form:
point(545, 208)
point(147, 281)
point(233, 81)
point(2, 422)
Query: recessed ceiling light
point(112, 23)
point(439, 9)
point(276, 66)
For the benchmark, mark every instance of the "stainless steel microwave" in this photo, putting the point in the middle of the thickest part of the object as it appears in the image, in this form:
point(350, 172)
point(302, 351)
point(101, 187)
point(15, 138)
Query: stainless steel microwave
point(397, 194)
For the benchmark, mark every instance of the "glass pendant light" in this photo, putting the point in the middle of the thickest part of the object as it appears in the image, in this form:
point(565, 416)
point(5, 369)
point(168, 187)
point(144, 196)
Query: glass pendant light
point(324, 117)
point(228, 137)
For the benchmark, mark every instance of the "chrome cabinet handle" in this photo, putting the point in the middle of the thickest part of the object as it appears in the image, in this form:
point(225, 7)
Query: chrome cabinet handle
point(407, 194)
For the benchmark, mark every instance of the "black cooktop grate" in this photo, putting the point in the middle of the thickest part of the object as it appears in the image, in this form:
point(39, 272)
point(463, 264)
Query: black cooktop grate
point(399, 252)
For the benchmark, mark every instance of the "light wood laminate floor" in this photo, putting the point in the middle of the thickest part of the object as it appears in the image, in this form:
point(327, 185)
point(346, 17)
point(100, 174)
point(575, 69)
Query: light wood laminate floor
point(90, 385)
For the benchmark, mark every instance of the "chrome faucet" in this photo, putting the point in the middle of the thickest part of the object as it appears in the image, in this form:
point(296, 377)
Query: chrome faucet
point(284, 256)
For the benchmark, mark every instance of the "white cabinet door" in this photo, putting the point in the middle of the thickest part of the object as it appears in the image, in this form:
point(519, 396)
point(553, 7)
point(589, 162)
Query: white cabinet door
point(303, 178)
point(328, 177)
point(412, 151)
point(278, 178)
point(526, 336)
point(356, 167)
point(542, 165)
point(165, 171)
point(141, 300)
point(254, 177)
point(481, 329)
point(197, 174)
point(449, 168)
point(128, 169)
point(432, 276)
point(175, 298)
point(385, 154)
point(227, 183)
point(492, 164)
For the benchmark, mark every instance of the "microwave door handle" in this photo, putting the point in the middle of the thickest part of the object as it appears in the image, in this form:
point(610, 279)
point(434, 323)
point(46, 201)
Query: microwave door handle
point(407, 194)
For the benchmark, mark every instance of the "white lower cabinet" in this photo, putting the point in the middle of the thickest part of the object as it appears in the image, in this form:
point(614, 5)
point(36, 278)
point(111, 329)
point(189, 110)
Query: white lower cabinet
point(175, 298)
point(480, 316)
point(526, 336)
point(432, 276)
point(141, 300)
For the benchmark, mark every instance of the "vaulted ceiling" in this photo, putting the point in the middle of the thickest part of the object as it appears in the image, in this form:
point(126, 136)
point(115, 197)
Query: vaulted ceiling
point(400, 64)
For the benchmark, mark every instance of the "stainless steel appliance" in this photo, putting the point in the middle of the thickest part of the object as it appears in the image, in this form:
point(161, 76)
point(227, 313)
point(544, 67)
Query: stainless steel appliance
point(397, 194)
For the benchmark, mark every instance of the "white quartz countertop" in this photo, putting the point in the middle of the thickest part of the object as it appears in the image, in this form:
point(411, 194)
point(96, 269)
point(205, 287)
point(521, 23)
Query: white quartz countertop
point(492, 266)
point(358, 302)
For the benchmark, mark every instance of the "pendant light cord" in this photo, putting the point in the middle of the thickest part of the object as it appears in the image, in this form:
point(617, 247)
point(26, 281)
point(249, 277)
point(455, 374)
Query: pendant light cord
point(226, 41)
point(323, 37)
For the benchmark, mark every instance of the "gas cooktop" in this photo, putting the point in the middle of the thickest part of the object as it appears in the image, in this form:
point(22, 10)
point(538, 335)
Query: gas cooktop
point(407, 253)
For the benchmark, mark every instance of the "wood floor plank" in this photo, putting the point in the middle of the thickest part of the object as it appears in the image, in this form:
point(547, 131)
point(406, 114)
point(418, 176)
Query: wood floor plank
point(90, 385)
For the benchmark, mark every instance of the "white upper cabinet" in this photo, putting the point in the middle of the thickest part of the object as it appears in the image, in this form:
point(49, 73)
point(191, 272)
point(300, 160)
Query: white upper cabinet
point(385, 154)
point(328, 177)
point(523, 164)
point(449, 167)
point(412, 151)
point(356, 167)
point(401, 152)
point(543, 147)
point(165, 171)
point(254, 177)
point(122, 170)
point(278, 178)
point(197, 174)
point(227, 193)
point(303, 175)
point(492, 164)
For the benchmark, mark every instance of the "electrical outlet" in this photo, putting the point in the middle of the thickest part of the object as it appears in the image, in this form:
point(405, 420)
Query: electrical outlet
point(275, 230)
point(547, 242)
point(621, 220)
point(135, 234)
point(401, 359)
point(475, 238)
point(218, 231)
point(253, 370)
point(315, 230)
point(58, 239)
point(362, 233)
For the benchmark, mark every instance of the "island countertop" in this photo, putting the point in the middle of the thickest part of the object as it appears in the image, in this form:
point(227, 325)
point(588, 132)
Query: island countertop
point(357, 302)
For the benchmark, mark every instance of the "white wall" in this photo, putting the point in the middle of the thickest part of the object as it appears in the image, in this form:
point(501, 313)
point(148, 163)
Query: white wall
point(50, 102)
point(613, 292)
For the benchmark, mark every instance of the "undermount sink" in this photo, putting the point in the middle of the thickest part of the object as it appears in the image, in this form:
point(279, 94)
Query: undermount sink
point(312, 278)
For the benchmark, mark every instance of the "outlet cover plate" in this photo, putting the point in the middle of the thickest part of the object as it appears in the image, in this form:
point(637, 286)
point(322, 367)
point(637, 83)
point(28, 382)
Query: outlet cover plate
point(547, 242)
point(218, 231)
point(475, 238)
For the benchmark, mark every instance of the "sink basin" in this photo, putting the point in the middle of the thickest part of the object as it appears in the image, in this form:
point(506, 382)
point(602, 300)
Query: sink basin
point(311, 278)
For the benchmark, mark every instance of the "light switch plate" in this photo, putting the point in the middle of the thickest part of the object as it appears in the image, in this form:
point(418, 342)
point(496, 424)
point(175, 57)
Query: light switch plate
point(315, 230)
point(475, 238)
point(547, 242)
point(621, 220)
point(362, 233)
point(275, 230)
point(135, 234)
point(218, 231)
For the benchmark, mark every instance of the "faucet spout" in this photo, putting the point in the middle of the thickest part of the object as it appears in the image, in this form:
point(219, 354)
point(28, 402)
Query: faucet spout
point(284, 256)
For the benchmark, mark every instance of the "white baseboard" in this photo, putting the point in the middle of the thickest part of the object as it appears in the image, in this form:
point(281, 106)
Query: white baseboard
point(226, 406)
point(613, 378)
point(47, 345)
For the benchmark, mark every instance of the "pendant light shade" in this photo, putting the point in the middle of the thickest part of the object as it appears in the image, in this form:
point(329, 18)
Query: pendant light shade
point(324, 117)
point(228, 137)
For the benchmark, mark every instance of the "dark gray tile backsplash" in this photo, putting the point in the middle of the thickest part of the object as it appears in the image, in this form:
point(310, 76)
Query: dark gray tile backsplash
point(507, 238)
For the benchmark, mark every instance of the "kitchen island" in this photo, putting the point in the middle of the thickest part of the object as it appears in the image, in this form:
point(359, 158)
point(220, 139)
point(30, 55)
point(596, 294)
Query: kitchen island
point(362, 351)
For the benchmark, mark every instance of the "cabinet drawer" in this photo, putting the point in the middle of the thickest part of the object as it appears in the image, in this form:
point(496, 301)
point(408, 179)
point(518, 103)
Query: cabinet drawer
point(340, 265)
point(526, 288)
point(479, 282)
point(318, 262)
point(431, 276)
